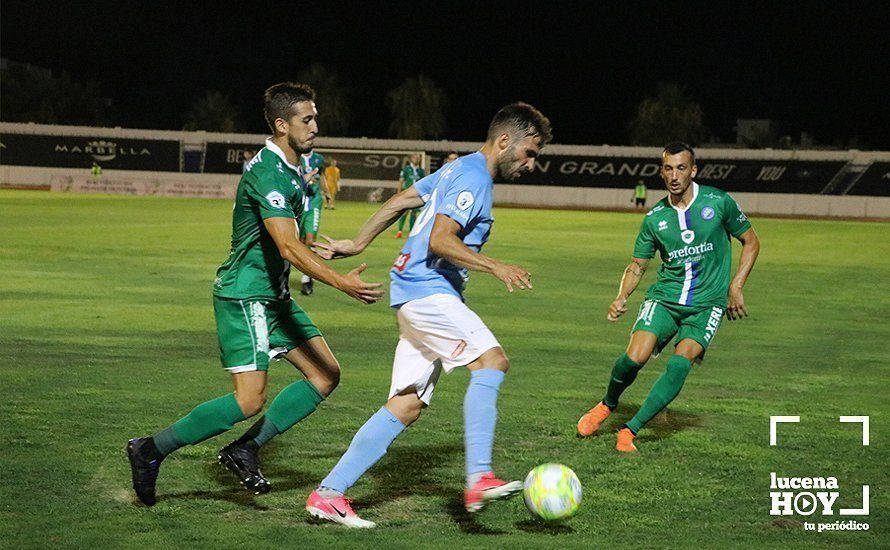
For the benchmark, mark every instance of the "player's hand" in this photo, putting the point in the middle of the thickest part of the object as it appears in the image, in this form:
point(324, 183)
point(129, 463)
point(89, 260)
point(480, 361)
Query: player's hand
point(363, 291)
point(307, 177)
point(513, 275)
point(333, 249)
point(617, 309)
point(736, 308)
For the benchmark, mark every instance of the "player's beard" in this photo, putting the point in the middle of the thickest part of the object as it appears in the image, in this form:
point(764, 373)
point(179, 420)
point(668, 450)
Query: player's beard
point(505, 165)
point(295, 145)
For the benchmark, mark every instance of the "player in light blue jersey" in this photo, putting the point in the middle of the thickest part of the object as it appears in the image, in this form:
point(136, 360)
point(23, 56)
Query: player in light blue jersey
point(437, 330)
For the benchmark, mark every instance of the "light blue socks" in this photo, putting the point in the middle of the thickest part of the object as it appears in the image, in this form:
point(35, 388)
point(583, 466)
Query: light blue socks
point(368, 446)
point(480, 417)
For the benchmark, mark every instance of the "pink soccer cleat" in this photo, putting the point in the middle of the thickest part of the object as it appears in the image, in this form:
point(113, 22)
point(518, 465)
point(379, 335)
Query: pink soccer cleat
point(489, 488)
point(336, 509)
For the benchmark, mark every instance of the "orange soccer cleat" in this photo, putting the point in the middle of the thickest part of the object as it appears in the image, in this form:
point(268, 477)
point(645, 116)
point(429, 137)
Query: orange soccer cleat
point(592, 420)
point(625, 442)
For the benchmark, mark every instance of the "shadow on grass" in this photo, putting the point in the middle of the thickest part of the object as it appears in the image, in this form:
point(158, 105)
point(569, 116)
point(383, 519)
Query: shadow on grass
point(410, 471)
point(665, 423)
point(237, 496)
point(542, 527)
point(290, 479)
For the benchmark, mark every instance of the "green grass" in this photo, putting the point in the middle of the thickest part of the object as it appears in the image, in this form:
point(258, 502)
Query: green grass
point(106, 332)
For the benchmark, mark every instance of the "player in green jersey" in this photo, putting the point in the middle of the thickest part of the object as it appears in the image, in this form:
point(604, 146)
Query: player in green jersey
point(411, 173)
point(691, 230)
point(255, 316)
point(316, 193)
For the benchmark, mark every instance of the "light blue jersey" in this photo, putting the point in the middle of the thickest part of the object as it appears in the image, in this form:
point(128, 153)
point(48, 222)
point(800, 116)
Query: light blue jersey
point(460, 190)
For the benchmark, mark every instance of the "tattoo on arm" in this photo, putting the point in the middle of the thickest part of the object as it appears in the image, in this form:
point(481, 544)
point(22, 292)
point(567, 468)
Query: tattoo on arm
point(635, 269)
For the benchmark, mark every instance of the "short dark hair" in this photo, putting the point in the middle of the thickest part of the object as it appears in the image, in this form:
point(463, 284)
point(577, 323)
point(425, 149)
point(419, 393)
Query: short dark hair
point(520, 120)
point(676, 147)
point(279, 100)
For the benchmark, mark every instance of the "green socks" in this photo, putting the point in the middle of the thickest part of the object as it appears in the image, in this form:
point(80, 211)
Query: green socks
point(205, 421)
point(623, 374)
point(294, 403)
point(666, 388)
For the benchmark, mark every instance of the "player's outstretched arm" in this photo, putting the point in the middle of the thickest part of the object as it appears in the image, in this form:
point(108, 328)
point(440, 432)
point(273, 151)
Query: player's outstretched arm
point(285, 233)
point(630, 279)
point(750, 250)
point(445, 243)
point(376, 224)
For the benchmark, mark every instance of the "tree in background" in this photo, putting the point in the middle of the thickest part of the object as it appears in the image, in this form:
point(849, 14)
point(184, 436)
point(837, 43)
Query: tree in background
point(213, 112)
point(418, 109)
point(669, 116)
point(334, 113)
point(34, 95)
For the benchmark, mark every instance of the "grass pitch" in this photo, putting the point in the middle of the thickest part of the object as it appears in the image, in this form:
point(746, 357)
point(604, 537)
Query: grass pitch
point(106, 332)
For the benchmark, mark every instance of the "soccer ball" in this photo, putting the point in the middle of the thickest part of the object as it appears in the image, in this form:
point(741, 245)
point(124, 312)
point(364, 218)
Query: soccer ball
point(552, 492)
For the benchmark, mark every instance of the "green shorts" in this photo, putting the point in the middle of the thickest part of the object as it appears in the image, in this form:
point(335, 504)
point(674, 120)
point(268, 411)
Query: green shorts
point(312, 206)
point(252, 331)
point(666, 320)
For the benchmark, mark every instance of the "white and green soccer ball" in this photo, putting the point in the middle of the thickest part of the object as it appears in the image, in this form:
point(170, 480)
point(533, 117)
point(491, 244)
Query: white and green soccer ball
point(552, 492)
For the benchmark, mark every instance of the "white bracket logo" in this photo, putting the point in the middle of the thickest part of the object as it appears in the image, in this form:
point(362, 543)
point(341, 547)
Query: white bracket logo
point(805, 503)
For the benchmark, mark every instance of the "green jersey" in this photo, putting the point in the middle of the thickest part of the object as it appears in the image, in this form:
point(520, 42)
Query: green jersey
point(310, 162)
point(695, 247)
point(640, 191)
point(411, 174)
point(270, 188)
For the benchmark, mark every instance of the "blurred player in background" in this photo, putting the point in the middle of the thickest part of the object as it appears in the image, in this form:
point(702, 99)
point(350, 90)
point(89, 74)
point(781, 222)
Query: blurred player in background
point(640, 196)
point(691, 230)
point(332, 180)
point(450, 157)
point(437, 330)
point(316, 194)
point(411, 173)
point(255, 315)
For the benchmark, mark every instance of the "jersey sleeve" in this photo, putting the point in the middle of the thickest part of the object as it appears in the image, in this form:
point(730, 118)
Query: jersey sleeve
point(644, 247)
point(734, 220)
point(270, 196)
point(462, 200)
point(424, 187)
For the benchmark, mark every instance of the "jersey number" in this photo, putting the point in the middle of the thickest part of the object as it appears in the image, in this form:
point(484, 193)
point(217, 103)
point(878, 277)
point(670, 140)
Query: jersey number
point(427, 214)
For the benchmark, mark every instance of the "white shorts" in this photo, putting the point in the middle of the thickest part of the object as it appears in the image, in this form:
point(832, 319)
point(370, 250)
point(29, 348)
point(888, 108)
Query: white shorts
point(437, 332)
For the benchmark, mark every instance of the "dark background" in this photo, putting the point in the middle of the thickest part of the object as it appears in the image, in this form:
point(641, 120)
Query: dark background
point(817, 67)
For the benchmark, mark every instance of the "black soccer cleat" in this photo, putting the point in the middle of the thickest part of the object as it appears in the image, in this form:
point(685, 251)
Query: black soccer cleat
point(306, 288)
point(145, 472)
point(242, 460)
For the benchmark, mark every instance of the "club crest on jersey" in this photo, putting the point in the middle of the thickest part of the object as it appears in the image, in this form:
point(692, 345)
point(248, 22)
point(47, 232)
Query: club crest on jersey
point(688, 236)
point(276, 200)
point(662, 225)
point(464, 200)
point(707, 213)
point(401, 262)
